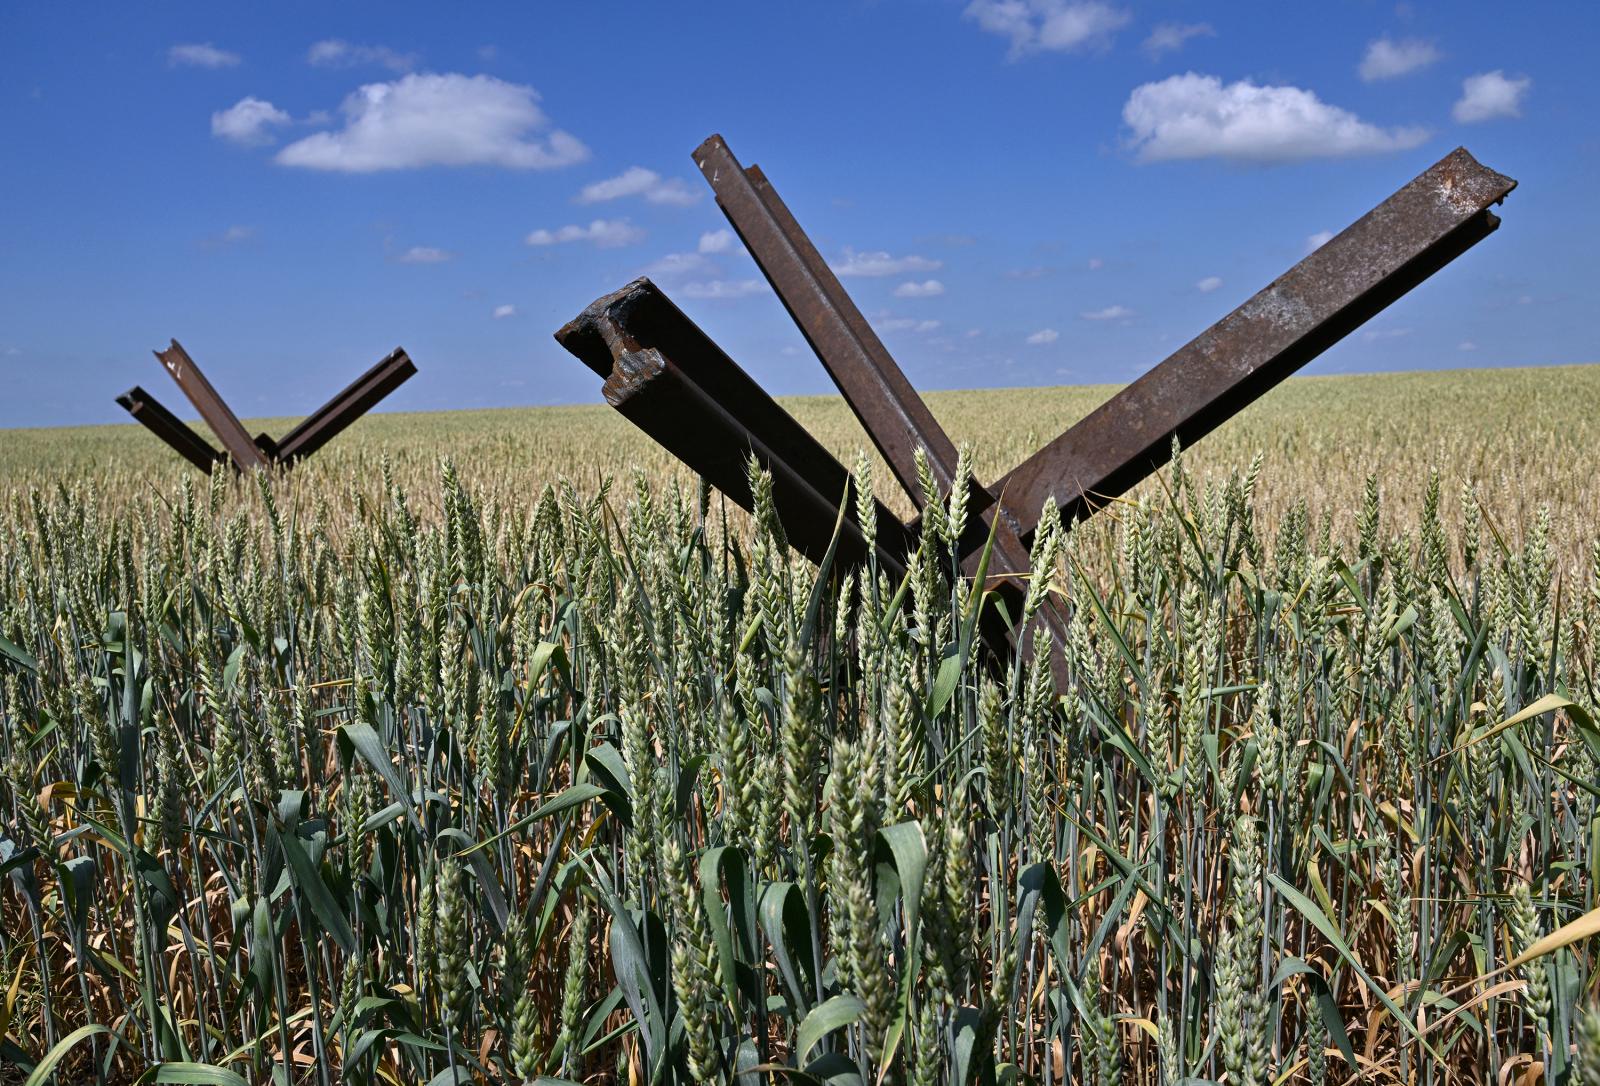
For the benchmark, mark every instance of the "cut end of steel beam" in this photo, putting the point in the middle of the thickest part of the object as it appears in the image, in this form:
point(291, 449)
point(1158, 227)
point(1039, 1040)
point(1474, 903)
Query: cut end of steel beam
point(589, 336)
point(223, 422)
point(710, 144)
point(631, 375)
point(149, 413)
point(1465, 184)
point(668, 377)
point(872, 383)
point(172, 358)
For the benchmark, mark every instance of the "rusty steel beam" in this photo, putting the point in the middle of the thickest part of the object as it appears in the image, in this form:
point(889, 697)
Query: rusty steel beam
point(223, 422)
point(362, 394)
point(894, 416)
point(244, 451)
point(149, 412)
point(888, 407)
point(673, 382)
point(646, 388)
point(667, 376)
point(1429, 222)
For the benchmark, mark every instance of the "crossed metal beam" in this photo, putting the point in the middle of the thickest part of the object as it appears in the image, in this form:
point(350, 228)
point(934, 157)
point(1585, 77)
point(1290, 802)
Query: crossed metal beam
point(671, 379)
point(242, 450)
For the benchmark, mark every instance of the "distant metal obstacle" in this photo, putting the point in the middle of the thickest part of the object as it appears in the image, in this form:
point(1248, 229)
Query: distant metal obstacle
point(318, 428)
point(672, 380)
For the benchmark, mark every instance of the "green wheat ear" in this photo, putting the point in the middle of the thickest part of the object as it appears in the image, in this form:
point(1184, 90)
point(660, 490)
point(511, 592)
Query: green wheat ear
point(441, 770)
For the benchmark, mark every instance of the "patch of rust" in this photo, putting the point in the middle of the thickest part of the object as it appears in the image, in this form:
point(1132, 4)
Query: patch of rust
point(1466, 186)
point(631, 374)
point(1272, 306)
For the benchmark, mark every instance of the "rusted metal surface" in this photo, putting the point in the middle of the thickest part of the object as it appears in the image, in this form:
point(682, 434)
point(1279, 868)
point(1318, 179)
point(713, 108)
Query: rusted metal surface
point(218, 415)
point(149, 413)
point(1429, 222)
point(648, 389)
point(673, 381)
point(890, 410)
point(244, 451)
point(667, 376)
point(872, 383)
point(324, 424)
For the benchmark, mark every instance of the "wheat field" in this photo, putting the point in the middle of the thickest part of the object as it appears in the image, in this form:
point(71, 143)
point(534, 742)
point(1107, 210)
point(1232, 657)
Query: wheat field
point(488, 747)
point(1520, 436)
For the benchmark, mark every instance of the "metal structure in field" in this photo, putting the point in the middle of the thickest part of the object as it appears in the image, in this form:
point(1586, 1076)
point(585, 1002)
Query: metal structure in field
point(671, 379)
point(242, 450)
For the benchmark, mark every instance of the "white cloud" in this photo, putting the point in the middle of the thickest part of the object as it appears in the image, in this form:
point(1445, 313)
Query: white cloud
point(247, 122)
point(438, 120)
point(501, 312)
point(1318, 240)
point(1196, 116)
point(233, 235)
point(602, 233)
point(1170, 37)
point(878, 264)
point(1109, 313)
point(721, 288)
point(1466, 345)
point(1374, 335)
point(638, 181)
point(717, 241)
point(908, 324)
point(424, 254)
point(1386, 59)
point(930, 288)
point(676, 264)
point(201, 55)
point(1043, 336)
point(1489, 95)
point(1208, 284)
point(337, 53)
point(1095, 263)
point(1049, 25)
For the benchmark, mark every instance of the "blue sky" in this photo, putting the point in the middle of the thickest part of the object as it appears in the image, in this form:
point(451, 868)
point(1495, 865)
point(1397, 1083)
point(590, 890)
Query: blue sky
point(1024, 192)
